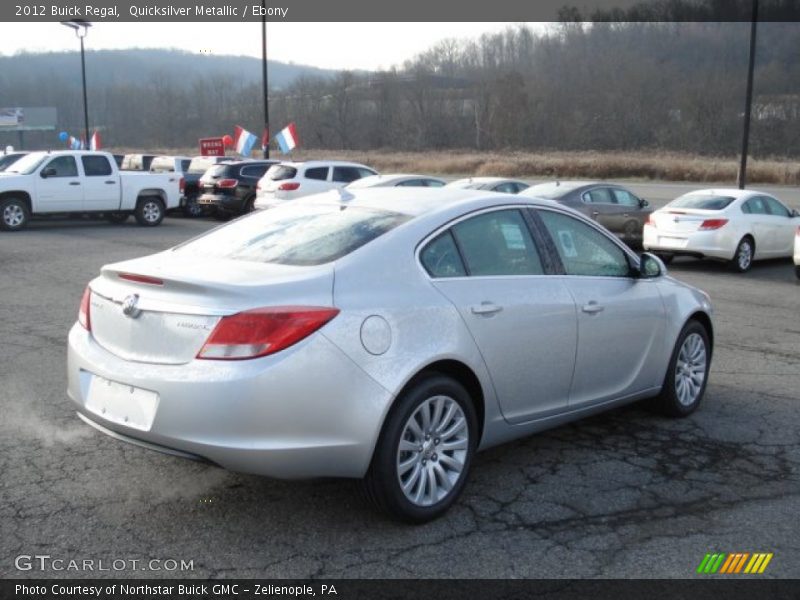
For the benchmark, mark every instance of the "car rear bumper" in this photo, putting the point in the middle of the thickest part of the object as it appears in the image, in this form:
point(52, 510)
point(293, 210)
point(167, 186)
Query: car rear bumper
point(221, 201)
point(699, 244)
point(308, 411)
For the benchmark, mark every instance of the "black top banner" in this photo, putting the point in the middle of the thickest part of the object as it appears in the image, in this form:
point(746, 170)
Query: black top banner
point(406, 11)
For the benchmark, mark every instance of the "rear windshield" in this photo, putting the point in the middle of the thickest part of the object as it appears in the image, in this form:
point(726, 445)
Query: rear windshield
point(702, 201)
point(201, 164)
point(295, 235)
point(281, 172)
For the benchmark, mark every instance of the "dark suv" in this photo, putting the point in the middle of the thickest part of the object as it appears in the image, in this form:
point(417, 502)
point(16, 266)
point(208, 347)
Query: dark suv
point(229, 189)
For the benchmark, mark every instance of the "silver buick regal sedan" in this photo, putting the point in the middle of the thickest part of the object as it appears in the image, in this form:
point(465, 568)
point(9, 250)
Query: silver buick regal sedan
point(384, 334)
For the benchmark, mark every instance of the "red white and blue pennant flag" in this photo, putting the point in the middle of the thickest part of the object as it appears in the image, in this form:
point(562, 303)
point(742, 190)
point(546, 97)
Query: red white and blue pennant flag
point(244, 141)
point(287, 138)
point(94, 142)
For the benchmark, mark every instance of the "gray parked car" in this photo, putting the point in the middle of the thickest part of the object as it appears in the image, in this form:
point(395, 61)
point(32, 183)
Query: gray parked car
point(385, 334)
point(616, 208)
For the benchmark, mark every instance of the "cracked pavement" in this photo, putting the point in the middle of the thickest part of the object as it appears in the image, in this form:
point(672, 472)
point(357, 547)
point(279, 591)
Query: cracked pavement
point(624, 494)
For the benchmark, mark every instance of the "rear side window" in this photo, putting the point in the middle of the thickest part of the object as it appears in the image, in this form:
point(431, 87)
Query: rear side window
point(297, 235)
point(498, 243)
point(599, 196)
point(583, 249)
point(280, 172)
point(96, 166)
point(702, 201)
point(441, 259)
point(319, 173)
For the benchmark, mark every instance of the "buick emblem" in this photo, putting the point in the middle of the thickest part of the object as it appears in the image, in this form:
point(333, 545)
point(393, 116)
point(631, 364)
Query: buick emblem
point(130, 306)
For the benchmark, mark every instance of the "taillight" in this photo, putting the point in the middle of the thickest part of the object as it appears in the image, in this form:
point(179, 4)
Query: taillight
point(258, 186)
point(650, 221)
point(797, 232)
point(141, 278)
point(263, 331)
point(289, 186)
point(711, 224)
point(227, 184)
point(84, 317)
point(181, 185)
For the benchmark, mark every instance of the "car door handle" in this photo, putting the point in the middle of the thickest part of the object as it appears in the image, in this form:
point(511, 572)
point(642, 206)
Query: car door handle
point(592, 308)
point(486, 308)
point(595, 213)
point(74, 182)
point(110, 182)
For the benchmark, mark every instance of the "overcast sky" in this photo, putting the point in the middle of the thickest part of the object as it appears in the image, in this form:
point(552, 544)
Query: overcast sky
point(327, 45)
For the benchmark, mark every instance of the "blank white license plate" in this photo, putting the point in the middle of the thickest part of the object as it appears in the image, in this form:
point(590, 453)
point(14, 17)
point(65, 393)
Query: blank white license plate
point(673, 242)
point(120, 403)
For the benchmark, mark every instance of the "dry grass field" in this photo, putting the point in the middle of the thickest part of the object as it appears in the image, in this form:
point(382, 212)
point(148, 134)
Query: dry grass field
point(562, 165)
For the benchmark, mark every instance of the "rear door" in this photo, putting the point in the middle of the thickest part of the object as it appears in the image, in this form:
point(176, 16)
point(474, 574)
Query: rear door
point(620, 317)
point(58, 186)
point(523, 321)
point(101, 186)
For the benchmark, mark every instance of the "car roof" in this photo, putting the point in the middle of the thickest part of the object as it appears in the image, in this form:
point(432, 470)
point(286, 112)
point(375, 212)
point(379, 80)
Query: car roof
point(735, 193)
point(418, 201)
point(390, 177)
point(321, 163)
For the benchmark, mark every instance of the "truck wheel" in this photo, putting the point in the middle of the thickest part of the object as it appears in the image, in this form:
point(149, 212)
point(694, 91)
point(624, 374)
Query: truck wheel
point(149, 211)
point(14, 214)
point(117, 218)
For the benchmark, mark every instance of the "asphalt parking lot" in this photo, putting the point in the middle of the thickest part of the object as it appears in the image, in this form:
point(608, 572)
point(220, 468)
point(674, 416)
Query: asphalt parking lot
point(625, 494)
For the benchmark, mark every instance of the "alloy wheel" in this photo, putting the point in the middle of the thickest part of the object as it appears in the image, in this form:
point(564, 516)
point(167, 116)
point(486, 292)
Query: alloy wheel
point(690, 369)
point(13, 216)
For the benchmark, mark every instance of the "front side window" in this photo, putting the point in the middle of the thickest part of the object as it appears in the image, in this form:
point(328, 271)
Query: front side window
point(441, 259)
point(64, 166)
point(583, 249)
point(96, 166)
point(775, 207)
point(498, 243)
point(346, 174)
point(294, 235)
point(625, 198)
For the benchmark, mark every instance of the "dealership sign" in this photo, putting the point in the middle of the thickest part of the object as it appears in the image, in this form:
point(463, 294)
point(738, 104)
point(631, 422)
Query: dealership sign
point(11, 117)
point(214, 146)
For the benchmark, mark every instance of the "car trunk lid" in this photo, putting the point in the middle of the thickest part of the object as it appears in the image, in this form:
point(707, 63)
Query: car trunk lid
point(162, 309)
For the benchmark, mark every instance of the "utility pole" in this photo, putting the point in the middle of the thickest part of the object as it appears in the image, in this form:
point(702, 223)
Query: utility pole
point(748, 101)
point(264, 76)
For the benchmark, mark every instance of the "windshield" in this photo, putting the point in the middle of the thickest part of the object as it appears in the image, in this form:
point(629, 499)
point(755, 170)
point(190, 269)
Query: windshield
point(702, 201)
point(551, 190)
point(280, 172)
point(295, 235)
point(28, 164)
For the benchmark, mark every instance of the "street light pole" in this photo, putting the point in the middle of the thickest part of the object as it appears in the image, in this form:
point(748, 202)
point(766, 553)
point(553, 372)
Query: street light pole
point(81, 28)
point(748, 101)
point(264, 75)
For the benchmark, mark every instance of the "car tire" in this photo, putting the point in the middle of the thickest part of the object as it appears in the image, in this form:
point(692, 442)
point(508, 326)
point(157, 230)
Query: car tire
point(249, 205)
point(429, 457)
point(149, 211)
point(192, 209)
point(117, 218)
point(687, 373)
point(14, 214)
point(743, 257)
point(797, 271)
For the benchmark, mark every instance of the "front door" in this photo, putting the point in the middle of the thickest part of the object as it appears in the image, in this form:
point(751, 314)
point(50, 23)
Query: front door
point(58, 186)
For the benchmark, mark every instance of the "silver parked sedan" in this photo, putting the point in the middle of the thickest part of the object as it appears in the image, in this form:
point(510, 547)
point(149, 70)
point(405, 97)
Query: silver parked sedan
point(385, 334)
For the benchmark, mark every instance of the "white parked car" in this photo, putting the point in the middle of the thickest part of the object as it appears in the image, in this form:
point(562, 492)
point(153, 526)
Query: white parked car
point(797, 252)
point(734, 225)
point(292, 180)
point(396, 180)
point(73, 181)
point(170, 164)
point(490, 184)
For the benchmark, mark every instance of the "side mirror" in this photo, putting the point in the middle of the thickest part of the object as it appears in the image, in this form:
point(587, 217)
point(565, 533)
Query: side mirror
point(643, 203)
point(650, 266)
point(795, 213)
point(48, 172)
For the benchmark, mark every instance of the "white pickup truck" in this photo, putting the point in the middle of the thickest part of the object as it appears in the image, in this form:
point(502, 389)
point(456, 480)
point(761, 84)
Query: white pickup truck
point(69, 181)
